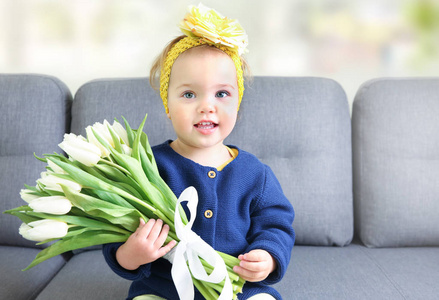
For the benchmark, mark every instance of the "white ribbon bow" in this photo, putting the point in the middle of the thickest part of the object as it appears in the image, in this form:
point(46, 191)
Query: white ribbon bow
point(191, 248)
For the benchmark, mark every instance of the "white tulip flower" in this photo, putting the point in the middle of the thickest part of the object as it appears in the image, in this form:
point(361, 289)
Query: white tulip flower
point(94, 141)
point(103, 131)
point(52, 182)
point(121, 132)
point(127, 150)
point(27, 195)
point(55, 167)
point(79, 149)
point(43, 230)
point(56, 205)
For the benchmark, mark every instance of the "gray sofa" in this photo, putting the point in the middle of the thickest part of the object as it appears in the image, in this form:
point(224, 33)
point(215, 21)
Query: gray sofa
point(365, 189)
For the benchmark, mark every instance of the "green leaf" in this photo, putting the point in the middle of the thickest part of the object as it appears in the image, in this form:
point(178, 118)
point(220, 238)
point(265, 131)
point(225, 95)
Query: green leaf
point(32, 188)
point(40, 158)
point(136, 143)
point(53, 193)
point(115, 214)
point(129, 132)
point(101, 140)
point(83, 240)
point(120, 182)
point(116, 139)
point(23, 216)
point(87, 180)
point(116, 177)
point(36, 191)
point(109, 197)
point(58, 156)
point(147, 148)
point(93, 224)
point(163, 211)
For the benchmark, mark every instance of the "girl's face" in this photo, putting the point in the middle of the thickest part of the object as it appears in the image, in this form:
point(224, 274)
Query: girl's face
point(203, 98)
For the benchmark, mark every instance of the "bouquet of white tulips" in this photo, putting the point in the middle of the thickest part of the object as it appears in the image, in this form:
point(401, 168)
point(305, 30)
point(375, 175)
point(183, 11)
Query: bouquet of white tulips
point(98, 194)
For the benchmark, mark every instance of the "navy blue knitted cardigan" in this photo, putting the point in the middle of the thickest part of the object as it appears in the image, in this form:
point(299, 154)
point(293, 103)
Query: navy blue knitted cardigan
point(248, 210)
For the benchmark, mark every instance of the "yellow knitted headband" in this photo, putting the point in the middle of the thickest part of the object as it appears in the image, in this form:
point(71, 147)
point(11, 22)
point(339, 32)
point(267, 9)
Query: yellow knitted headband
point(205, 26)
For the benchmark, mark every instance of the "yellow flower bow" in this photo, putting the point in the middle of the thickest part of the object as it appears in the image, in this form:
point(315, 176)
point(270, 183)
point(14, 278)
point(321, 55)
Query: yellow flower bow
point(210, 25)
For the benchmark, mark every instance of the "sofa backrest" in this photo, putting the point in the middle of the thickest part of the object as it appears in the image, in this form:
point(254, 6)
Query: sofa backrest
point(35, 113)
point(396, 162)
point(300, 127)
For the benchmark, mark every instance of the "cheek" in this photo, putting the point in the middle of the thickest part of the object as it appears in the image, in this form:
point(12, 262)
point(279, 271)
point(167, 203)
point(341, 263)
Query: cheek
point(179, 120)
point(231, 116)
point(232, 111)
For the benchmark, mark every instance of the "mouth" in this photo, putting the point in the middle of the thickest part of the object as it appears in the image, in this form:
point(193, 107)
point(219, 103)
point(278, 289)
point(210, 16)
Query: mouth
point(205, 125)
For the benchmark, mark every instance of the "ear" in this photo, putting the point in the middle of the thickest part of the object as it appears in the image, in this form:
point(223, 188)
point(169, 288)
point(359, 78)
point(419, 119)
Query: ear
point(169, 116)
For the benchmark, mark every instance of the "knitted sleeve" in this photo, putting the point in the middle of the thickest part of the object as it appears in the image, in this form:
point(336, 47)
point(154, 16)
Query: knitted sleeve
point(271, 217)
point(109, 251)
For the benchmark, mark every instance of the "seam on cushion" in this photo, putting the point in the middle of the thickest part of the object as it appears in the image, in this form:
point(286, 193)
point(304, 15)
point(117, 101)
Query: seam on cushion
point(358, 203)
point(388, 277)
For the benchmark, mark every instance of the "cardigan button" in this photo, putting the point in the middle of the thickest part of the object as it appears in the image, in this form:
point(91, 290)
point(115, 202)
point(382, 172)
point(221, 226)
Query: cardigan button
point(211, 174)
point(208, 214)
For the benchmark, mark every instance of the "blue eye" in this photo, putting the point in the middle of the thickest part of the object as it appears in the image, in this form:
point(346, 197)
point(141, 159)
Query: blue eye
point(222, 94)
point(188, 95)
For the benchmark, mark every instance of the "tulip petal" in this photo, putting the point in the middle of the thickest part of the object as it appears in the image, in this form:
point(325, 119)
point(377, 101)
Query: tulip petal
point(121, 132)
point(28, 195)
point(52, 182)
point(43, 230)
point(93, 140)
point(57, 205)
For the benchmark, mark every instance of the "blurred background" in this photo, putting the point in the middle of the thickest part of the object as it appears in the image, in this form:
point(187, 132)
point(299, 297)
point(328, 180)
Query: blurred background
point(350, 41)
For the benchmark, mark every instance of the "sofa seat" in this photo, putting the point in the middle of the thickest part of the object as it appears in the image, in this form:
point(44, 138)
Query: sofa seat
point(32, 282)
point(358, 272)
point(86, 276)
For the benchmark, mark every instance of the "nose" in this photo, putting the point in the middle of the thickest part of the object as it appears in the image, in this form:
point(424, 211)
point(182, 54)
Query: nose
point(207, 105)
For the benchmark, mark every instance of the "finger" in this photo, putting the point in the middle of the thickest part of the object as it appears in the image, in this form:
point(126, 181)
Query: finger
point(155, 231)
point(248, 275)
point(144, 231)
point(141, 224)
point(163, 235)
point(253, 266)
point(255, 256)
point(165, 249)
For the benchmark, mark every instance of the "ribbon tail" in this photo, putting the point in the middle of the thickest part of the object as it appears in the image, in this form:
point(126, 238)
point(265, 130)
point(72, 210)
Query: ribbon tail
point(227, 292)
point(180, 274)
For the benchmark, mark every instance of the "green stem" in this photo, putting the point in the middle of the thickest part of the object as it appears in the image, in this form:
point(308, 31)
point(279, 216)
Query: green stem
point(208, 293)
point(110, 163)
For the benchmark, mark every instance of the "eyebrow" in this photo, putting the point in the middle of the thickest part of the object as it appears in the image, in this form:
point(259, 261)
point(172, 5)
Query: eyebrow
point(221, 85)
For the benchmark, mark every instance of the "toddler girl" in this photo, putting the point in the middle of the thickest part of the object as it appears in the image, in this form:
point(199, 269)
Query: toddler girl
point(242, 210)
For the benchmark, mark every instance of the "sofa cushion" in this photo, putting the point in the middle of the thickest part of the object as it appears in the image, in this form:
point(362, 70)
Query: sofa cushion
point(86, 276)
point(301, 128)
point(131, 98)
point(298, 126)
point(23, 285)
point(35, 115)
point(396, 162)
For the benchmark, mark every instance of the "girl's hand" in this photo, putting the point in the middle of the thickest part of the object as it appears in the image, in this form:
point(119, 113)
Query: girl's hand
point(255, 265)
point(145, 245)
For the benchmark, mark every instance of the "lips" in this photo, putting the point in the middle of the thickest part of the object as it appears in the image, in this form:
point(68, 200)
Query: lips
point(205, 125)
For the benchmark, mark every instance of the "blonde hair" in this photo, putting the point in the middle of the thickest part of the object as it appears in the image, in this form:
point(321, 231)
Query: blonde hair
point(161, 69)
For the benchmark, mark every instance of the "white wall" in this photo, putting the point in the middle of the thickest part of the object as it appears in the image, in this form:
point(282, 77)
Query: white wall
point(350, 41)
